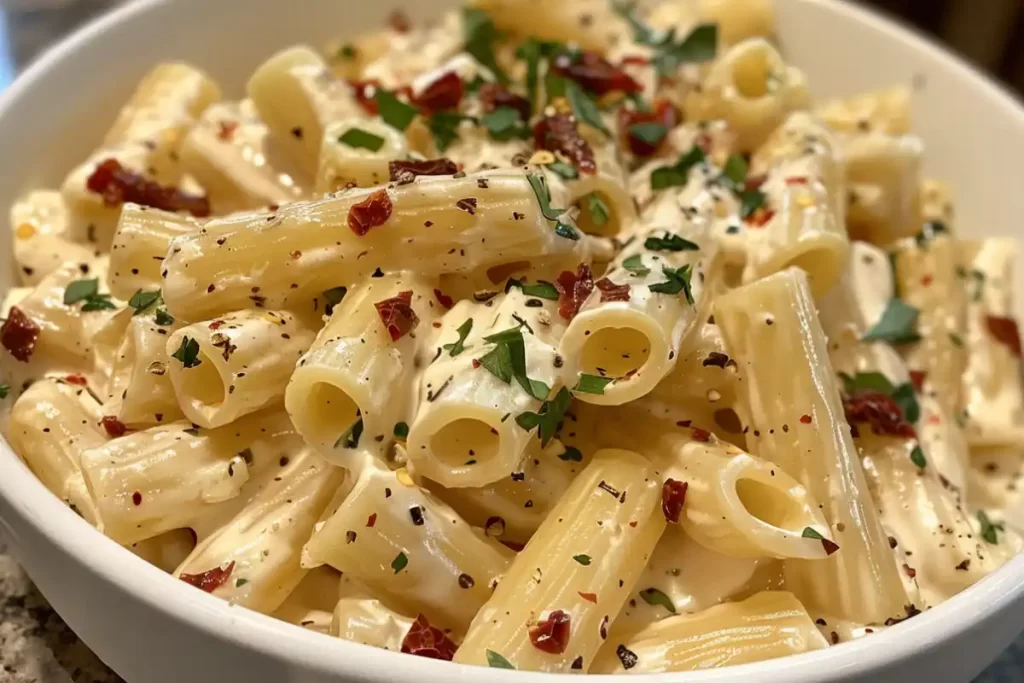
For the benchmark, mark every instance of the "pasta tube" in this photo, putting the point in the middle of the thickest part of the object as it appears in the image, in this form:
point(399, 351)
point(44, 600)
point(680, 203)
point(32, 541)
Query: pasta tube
point(368, 622)
point(552, 610)
point(765, 626)
point(263, 542)
point(350, 389)
point(166, 551)
point(140, 244)
point(435, 225)
point(140, 386)
point(798, 424)
point(403, 543)
point(39, 224)
point(311, 603)
point(236, 364)
point(356, 153)
point(468, 428)
point(886, 111)
point(606, 207)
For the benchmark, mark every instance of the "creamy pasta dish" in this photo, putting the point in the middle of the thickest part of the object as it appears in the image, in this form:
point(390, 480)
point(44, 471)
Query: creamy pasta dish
point(550, 336)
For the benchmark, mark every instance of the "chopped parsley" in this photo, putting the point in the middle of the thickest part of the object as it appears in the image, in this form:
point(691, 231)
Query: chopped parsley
point(350, 437)
point(635, 265)
point(530, 52)
point(507, 361)
point(898, 324)
point(989, 529)
point(400, 562)
point(480, 35)
point(457, 347)
point(750, 201)
point(541, 290)
point(505, 123)
point(582, 559)
point(592, 384)
point(677, 174)
point(496, 661)
point(4, 389)
point(583, 107)
point(395, 113)
point(163, 318)
point(564, 170)
point(678, 281)
point(734, 175)
point(540, 189)
point(240, 582)
point(917, 457)
point(597, 208)
point(333, 297)
point(670, 242)
point(141, 301)
point(87, 292)
point(572, 454)
point(650, 132)
point(357, 138)
point(700, 45)
point(401, 430)
point(188, 352)
point(549, 416)
point(653, 596)
point(444, 126)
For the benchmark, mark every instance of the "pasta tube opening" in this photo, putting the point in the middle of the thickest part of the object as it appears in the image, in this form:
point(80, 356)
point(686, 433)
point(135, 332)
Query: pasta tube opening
point(204, 385)
point(615, 352)
point(326, 413)
point(753, 70)
point(466, 439)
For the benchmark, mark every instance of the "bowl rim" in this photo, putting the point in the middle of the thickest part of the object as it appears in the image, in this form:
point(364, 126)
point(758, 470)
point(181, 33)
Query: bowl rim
point(23, 495)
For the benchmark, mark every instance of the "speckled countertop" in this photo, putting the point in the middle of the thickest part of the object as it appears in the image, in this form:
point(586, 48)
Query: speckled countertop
point(36, 646)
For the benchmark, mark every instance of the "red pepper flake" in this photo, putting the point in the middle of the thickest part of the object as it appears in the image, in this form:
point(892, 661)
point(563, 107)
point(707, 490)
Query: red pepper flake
point(663, 112)
point(370, 213)
point(879, 410)
point(559, 133)
point(76, 379)
point(796, 181)
point(494, 96)
point(633, 524)
point(673, 496)
point(137, 498)
point(113, 426)
point(443, 93)
point(934, 419)
point(1004, 330)
point(364, 94)
point(19, 334)
point(589, 597)
point(917, 378)
point(399, 21)
point(910, 571)
point(424, 640)
point(476, 363)
point(634, 60)
point(594, 73)
point(397, 315)
point(443, 299)
point(118, 185)
point(371, 520)
point(552, 634)
point(805, 419)
point(216, 324)
point(400, 170)
point(926, 280)
point(226, 130)
point(209, 580)
point(760, 217)
point(611, 291)
point(702, 435)
point(573, 290)
point(754, 182)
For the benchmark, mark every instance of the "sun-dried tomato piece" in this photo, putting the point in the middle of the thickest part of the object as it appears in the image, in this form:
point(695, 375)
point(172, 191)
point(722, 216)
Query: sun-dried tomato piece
point(424, 640)
point(399, 21)
point(19, 334)
point(702, 435)
point(552, 634)
point(113, 426)
point(370, 213)
point(494, 96)
point(76, 378)
point(118, 185)
point(1004, 330)
point(209, 580)
point(443, 93)
point(573, 290)
point(880, 411)
point(397, 315)
point(634, 60)
point(673, 496)
point(443, 299)
point(611, 291)
point(442, 166)
point(594, 73)
point(226, 130)
point(364, 92)
point(917, 378)
point(559, 133)
point(755, 182)
point(664, 112)
point(760, 218)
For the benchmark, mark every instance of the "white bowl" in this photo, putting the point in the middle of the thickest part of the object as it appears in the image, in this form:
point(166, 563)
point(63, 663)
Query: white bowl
point(153, 629)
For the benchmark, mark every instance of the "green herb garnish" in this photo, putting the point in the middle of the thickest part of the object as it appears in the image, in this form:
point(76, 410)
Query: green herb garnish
point(4, 389)
point(140, 301)
point(530, 52)
point(898, 324)
point(592, 384)
point(750, 201)
point(917, 457)
point(582, 559)
point(635, 265)
point(540, 189)
point(651, 132)
point(504, 123)
point(188, 352)
point(507, 361)
point(677, 174)
point(564, 170)
point(653, 596)
point(541, 290)
point(678, 281)
point(163, 318)
point(395, 113)
point(572, 454)
point(400, 562)
point(549, 416)
point(240, 582)
point(599, 211)
point(87, 292)
point(480, 35)
point(350, 437)
point(401, 430)
point(444, 126)
point(457, 347)
point(357, 138)
point(496, 661)
point(670, 242)
point(734, 175)
point(333, 297)
point(989, 529)
point(583, 107)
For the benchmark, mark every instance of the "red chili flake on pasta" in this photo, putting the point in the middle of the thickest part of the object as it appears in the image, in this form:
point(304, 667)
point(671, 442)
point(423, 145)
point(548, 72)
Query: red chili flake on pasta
point(594, 73)
point(552, 634)
point(216, 324)
point(372, 212)
point(760, 218)
point(424, 640)
point(880, 411)
point(917, 378)
point(137, 498)
point(399, 21)
point(443, 299)
point(397, 315)
point(118, 185)
point(1004, 330)
point(364, 92)
point(926, 280)
point(673, 496)
point(443, 93)
point(559, 133)
point(755, 181)
point(663, 112)
point(211, 579)
point(634, 60)
point(589, 597)
point(805, 419)
point(701, 435)
point(226, 130)
point(113, 426)
point(796, 181)
point(573, 290)
point(19, 334)
point(611, 291)
point(398, 170)
point(76, 379)
point(494, 96)
point(371, 520)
